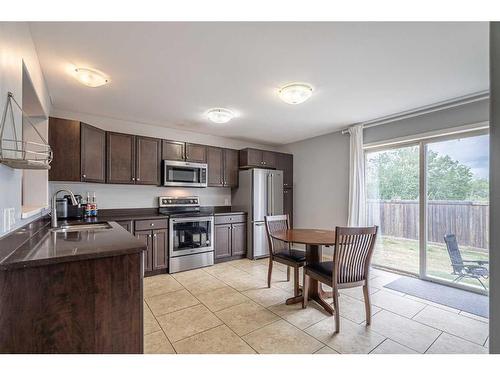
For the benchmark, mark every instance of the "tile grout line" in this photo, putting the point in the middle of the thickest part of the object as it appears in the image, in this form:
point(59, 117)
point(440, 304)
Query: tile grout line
point(426, 350)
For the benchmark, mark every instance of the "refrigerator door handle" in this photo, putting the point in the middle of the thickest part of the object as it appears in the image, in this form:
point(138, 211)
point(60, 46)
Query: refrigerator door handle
point(269, 195)
point(272, 195)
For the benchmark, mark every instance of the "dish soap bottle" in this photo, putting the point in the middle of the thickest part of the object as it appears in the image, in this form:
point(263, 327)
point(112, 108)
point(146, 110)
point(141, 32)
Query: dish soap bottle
point(94, 205)
point(88, 206)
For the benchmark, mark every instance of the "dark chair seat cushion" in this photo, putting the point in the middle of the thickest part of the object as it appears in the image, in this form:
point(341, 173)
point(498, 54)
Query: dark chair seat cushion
point(293, 255)
point(322, 268)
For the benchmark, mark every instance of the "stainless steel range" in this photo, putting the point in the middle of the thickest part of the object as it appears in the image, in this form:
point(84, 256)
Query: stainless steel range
point(191, 240)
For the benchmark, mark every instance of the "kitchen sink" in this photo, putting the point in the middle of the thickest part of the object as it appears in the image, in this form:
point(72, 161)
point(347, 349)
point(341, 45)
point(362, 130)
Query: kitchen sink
point(80, 227)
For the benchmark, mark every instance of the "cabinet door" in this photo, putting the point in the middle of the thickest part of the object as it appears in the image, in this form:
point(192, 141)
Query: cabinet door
point(239, 239)
point(254, 158)
point(127, 224)
point(231, 168)
point(269, 159)
point(222, 240)
point(196, 153)
point(64, 139)
point(215, 166)
point(93, 153)
point(284, 162)
point(160, 249)
point(147, 237)
point(172, 150)
point(288, 204)
point(147, 161)
point(120, 152)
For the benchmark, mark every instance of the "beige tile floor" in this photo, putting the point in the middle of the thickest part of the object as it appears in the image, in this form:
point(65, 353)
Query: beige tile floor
point(227, 308)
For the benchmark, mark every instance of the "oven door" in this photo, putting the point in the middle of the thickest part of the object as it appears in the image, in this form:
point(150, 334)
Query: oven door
point(181, 173)
point(191, 235)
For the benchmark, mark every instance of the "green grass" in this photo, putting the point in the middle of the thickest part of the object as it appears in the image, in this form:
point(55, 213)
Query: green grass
point(403, 254)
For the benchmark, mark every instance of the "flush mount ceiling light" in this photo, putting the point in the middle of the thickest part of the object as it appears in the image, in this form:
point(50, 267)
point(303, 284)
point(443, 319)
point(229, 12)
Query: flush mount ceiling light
point(91, 77)
point(295, 93)
point(220, 115)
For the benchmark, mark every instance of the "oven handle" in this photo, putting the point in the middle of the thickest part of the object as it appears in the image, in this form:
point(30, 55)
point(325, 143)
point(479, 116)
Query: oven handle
point(187, 219)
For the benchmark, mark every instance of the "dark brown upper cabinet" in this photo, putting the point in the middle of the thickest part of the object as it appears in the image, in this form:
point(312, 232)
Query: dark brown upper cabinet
point(196, 153)
point(181, 151)
point(132, 159)
point(64, 139)
point(284, 162)
point(147, 161)
point(120, 158)
point(215, 161)
point(222, 167)
point(93, 153)
point(250, 157)
point(172, 150)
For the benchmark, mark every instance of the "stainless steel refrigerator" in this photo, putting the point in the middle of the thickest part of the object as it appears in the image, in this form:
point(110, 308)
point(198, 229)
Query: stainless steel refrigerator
point(259, 193)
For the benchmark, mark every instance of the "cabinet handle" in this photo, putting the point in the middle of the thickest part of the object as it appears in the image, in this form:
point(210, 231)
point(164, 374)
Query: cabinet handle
point(84, 176)
point(154, 235)
point(152, 224)
point(133, 179)
point(138, 179)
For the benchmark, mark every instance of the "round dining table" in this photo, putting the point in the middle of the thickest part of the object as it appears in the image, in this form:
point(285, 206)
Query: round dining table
point(314, 239)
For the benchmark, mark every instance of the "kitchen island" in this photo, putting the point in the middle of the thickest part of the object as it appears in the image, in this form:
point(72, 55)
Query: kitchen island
point(71, 292)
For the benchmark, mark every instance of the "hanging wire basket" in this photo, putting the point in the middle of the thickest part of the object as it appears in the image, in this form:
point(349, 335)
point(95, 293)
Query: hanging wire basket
point(20, 154)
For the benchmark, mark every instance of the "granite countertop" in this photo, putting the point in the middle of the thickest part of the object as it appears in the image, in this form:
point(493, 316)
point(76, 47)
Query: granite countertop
point(48, 247)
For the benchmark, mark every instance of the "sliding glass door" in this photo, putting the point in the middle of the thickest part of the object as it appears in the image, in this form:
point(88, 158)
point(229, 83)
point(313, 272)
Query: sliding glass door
point(457, 205)
point(423, 192)
point(393, 204)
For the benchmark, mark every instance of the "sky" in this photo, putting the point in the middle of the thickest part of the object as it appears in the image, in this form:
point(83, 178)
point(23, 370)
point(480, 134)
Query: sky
point(471, 151)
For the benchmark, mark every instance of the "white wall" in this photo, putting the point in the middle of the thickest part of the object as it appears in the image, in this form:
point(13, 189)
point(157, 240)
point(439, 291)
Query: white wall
point(321, 171)
point(16, 46)
point(126, 196)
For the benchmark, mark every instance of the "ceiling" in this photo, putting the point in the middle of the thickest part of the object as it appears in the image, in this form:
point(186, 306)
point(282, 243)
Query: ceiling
point(170, 73)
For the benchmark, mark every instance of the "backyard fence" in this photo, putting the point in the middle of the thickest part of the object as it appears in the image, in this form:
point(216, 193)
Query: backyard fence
point(400, 218)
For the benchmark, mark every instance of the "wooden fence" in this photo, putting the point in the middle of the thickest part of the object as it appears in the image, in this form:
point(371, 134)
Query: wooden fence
point(467, 220)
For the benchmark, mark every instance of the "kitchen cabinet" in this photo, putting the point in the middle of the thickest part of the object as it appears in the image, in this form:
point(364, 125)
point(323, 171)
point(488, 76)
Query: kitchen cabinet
point(79, 151)
point(172, 150)
point(196, 153)
point(147, 237)
point(222, 235)
point(156, 240)
point(132, 159)
point(230, 233)
point(222, 167)
point(147, 161)
point(238, 239)
point(181, 151)
point(64, 139)
point(284, 162)
point(288, 204)
point(92, 153)
point(120, 158)
point(127, 224)
point(250, 157)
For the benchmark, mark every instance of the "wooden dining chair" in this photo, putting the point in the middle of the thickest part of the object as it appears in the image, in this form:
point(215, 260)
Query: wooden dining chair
point(281, 252)
point(349, 268)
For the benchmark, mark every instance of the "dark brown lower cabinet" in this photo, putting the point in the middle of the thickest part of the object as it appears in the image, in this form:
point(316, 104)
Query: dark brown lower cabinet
point(230, 239)
point(147, 237)
point(239, 239)
point(127, 224)
point(156, 240)
point(222, 234)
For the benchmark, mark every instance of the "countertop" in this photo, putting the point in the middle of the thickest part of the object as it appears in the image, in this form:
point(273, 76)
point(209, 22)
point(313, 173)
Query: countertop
point(48, 247)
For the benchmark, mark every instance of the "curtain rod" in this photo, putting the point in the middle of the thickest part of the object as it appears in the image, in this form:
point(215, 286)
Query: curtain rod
point(446, 104)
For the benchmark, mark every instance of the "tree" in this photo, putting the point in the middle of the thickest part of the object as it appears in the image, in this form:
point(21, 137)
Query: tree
point(394, 174)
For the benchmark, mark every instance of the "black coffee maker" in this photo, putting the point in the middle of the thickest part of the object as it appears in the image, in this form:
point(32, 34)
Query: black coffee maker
point(66, 210)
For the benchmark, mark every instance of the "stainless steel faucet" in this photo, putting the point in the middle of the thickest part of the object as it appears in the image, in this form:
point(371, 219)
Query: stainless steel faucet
point(53, 208)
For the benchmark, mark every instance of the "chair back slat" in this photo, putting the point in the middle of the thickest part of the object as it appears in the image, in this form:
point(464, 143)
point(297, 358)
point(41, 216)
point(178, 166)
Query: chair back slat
point(353, 252)
point(275, 224)
point(454, 252)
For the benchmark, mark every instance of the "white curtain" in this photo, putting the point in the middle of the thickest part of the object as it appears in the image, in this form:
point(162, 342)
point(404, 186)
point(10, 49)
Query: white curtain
point(357, 195)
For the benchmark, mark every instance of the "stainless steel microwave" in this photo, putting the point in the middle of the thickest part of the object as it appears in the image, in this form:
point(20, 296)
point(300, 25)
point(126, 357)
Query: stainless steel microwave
point(183, 173)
